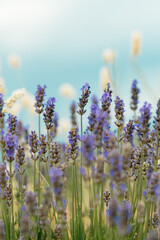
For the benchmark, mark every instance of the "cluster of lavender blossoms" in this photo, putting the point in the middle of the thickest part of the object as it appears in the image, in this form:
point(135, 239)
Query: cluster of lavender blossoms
point(101, 184)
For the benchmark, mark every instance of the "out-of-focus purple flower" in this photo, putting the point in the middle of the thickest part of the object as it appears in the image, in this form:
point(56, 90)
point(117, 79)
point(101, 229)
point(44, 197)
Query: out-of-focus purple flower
point(109, 141)
point(31, 203)
point(154, 185)
point(92, 117)
point(134, 97)
point(12, 124)
point(94, 99)
point(10, 146)
point(119, 111)
point(39, 97)
point(49, 112)
point(100, 125)
point(56, 178)
point(112, 213)
point(125, 214)
point(116, 165)
point(99, 174)
point(73, 113)
point(88, 148)
point(84, 99)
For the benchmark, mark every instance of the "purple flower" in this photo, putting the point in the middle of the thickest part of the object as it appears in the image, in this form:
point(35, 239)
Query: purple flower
point(100, 125)
point(84, 98)
point(134, 97)
point(92, 117)
point(12, 124)
point(88, 148)
point(125, 214)
point(33, 142)
point(73, 113)
point(73, 143)
point(49, 112)
point(106, 100)
point(144, 124)
point(116, 166)
point(10, 146)
point(56, 178)
point(128, 131)
point(119, 111)
point(39, 97)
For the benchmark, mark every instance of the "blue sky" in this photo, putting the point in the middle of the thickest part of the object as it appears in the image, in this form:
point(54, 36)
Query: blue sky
point(61, 41)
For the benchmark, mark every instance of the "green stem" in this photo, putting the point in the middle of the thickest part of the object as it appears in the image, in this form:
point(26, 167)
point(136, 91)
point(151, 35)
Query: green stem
point(39, 166)
point(12, 204)
point(73, 202)
point(34, 175)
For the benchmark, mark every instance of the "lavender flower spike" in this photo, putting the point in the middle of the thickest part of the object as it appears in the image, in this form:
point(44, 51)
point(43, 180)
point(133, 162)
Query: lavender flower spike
point(40, 93)
point(10, 146)
point(49, 113)
point(84, 98)
point(135, 91)
point(12, 123)
point(119, 111)
point(88, 148)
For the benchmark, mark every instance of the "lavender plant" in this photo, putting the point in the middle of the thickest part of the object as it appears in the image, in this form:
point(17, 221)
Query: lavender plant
point(119, 176)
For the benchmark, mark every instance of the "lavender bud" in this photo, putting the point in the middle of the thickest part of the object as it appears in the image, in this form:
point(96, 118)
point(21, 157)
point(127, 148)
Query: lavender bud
point(33, 142)
point(55, 152)
point(84, 98)
point(12, 124)
point(49, 113)
point(135, 91)
point(119, 111)
point(10, 146)
point(155, 220)
point(20, 155)
point(43, 144)
point(73, 113)
point(73, 141)
point(106, 197)
point(39, 97)
point(128, 132)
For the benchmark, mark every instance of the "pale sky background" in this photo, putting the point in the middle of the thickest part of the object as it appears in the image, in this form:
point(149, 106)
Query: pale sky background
point(61, 41)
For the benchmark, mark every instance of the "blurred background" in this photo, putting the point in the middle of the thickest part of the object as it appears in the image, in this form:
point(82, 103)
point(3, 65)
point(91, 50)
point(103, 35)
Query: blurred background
point(66, 43)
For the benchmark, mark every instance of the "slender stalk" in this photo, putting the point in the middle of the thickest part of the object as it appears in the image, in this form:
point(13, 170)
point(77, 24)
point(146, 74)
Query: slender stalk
point(73, 195)
point(12, 203)
point(48, 140)
point(34, 174)
point(39, 164)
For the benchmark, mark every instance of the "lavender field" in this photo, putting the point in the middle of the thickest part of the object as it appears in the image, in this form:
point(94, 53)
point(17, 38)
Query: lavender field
point(100, 184)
